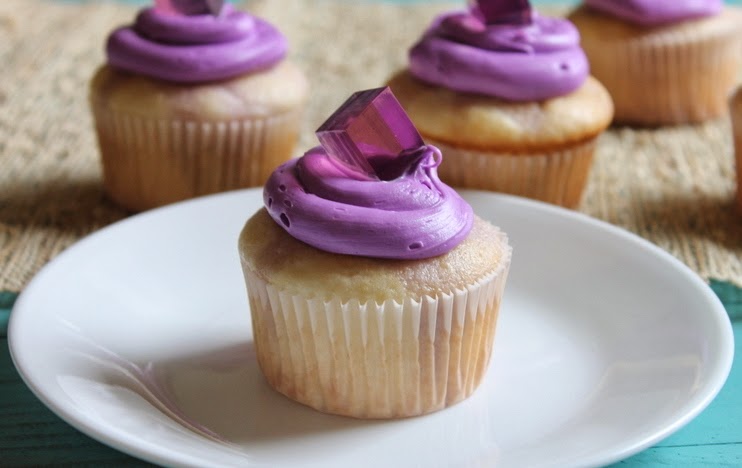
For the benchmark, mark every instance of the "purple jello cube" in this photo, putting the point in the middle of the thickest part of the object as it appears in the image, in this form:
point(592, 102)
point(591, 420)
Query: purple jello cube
point(190, 7)
point(505, 11)
point(369, 124)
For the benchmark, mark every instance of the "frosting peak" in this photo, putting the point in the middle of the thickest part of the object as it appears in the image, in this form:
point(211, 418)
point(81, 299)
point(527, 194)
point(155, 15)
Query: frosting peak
point(195, 48)
point(516, 61)
point(657, 12)
point(408, 213)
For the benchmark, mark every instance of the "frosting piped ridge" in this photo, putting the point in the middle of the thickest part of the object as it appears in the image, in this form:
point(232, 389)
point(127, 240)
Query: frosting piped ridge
point(408, 213)
point(657, 12)
point(195, 48)
point(520, 61)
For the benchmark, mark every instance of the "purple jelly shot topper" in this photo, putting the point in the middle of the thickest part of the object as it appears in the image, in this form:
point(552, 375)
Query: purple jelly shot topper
point(190, 7)
point(369, 124)
point(504, 11)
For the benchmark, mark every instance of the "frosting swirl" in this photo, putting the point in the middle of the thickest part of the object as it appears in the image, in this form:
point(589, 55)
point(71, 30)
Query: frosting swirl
point(657, 12)
point(195, 48)
point(407, 214)
point(515, 62)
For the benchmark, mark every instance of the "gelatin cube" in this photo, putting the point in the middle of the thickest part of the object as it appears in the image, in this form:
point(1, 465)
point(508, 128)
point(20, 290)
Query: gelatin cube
point(370, 123)
point(505, 11)
point(190, 7)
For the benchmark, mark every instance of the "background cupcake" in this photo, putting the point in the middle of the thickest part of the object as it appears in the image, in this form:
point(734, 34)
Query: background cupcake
point(505, 94)
point(735, 107)
point(401, 320)
point(193, 101)
point(663, 62)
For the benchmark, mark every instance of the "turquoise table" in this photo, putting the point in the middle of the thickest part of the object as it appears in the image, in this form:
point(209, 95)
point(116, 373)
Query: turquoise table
point(31, 435)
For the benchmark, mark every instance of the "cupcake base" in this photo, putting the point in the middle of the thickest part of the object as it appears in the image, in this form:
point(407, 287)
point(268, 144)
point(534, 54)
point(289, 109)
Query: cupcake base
point(367, 337)
point(162, 142)
point(674, 74)
point(152, 162)
point(557, 177)
point(375, 360)
point(735, 107)
point(539, 149)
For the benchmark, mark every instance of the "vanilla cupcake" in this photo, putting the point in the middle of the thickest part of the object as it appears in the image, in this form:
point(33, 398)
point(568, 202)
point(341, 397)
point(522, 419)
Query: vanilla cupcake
point(193, 101)
point(374, 289)
point(665, 62)
point(506, 95)
point(735, 107)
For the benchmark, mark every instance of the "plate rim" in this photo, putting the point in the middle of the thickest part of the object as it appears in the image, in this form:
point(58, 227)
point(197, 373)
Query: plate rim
point(148, 451)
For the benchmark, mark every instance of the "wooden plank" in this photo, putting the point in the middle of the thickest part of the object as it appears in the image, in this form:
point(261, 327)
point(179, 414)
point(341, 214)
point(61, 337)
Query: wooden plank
point(721, 455)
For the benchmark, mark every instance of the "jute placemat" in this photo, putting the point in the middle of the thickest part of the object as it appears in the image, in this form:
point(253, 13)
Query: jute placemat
point(672, 186)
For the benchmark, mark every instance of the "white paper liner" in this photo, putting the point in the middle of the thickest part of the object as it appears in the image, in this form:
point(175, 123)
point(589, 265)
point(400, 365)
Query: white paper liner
point(557, 177)
point(669, 77)
point(376, 360)
point(151, 162)
point(735, 107)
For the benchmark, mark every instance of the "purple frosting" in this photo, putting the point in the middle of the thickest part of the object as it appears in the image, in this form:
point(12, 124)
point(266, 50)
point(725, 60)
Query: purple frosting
point(657, 12)
point(407, 214)
point(515, 62)
point(195, 48)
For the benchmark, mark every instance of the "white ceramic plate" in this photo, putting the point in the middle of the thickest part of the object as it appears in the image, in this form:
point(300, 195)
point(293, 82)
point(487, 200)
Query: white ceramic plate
point(140, 337)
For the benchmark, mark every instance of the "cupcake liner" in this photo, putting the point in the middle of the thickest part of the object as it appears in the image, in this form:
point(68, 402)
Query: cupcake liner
point(375, 360)
point(150, 162)
point(736, 116)
point(672, 77)
point(557, 177)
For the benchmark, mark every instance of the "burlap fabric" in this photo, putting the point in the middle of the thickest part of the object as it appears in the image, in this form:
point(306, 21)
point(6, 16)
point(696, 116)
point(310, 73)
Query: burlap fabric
point(673, 186)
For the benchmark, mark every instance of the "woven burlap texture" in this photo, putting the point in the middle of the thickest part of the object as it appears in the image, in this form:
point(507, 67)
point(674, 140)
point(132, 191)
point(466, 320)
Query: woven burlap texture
point(672, 186)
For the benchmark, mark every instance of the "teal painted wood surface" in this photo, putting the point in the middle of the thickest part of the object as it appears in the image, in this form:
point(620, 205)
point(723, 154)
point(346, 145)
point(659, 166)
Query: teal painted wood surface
point(729, 455)
point(30, 434)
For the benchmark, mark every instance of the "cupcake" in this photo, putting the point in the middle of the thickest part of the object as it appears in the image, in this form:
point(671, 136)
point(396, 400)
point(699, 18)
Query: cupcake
point(506, 95)
point(374, 289)
point(664, 63)
point(192, 101)
point(735, 106)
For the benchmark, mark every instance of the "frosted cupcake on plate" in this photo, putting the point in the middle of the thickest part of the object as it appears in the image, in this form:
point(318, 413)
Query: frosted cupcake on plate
point(506, 95)
point(196, 97)
point(664, 62)
point(374, 289)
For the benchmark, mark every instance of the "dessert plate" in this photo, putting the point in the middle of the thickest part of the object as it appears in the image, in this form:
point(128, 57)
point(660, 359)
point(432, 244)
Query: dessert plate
point(139, 336)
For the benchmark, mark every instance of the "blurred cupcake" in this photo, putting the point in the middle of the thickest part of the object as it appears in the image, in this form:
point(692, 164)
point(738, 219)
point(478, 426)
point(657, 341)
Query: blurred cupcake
point(374, 289)
point(505, 94)
point(193, 101)
point(663, 62)
point(736, 113)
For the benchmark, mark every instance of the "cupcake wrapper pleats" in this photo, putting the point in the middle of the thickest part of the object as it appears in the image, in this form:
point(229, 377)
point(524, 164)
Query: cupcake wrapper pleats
point(557, 177)
point(150, 162)
point(736, 115)
point(376, 360)
point(669, 79)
